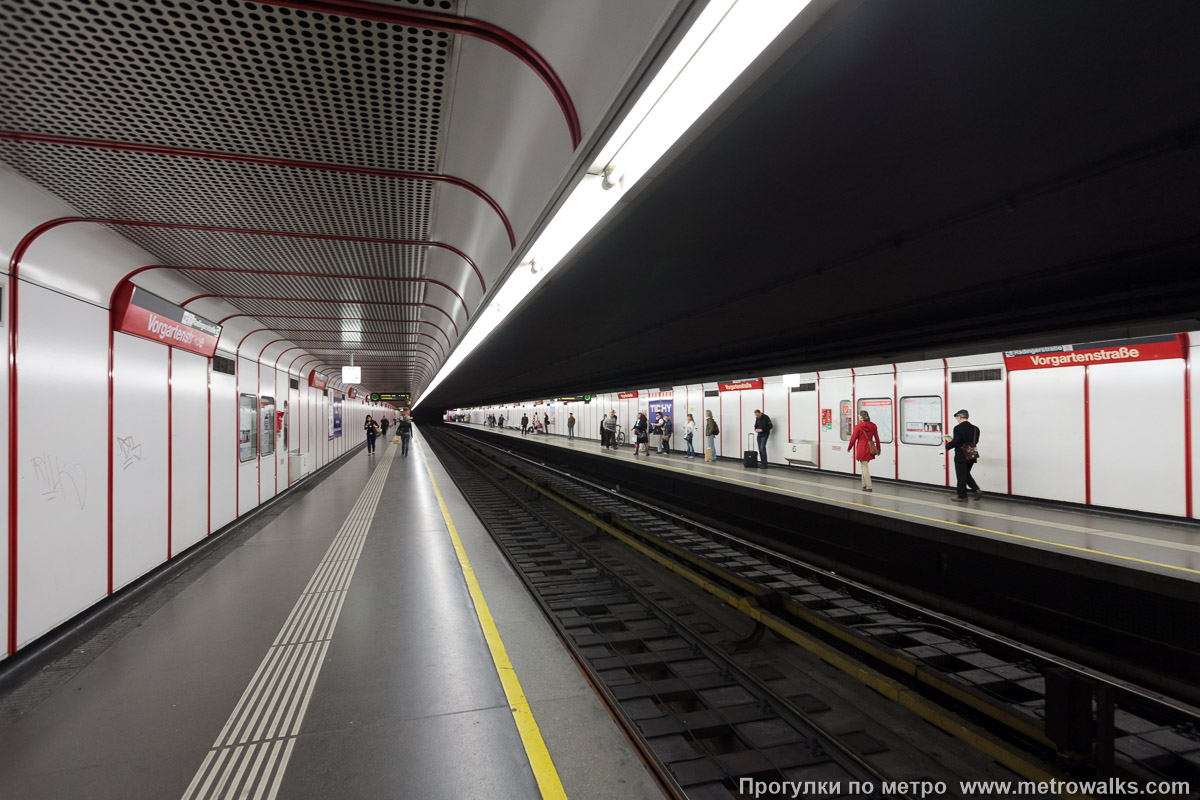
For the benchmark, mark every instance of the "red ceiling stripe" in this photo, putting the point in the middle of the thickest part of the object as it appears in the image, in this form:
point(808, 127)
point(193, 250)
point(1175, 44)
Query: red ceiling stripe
point(32, 236)
point(464, 26)
point(321, 166)
point(313, 300)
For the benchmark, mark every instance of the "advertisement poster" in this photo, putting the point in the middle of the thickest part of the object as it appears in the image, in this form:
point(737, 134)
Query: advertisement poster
point(664, 405)
point(335, 416)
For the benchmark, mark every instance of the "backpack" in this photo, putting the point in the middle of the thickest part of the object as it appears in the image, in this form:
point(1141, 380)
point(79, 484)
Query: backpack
point(716, 429)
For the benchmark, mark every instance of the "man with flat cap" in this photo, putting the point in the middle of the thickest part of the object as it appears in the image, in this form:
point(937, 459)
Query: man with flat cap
point(963, 442)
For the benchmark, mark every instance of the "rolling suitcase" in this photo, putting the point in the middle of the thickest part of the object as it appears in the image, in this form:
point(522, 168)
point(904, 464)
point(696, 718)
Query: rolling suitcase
point(750, 455)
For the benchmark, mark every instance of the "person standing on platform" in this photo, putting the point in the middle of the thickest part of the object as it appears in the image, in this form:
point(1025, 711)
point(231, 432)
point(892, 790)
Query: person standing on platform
point(963, 442)
point(640, 430)
point(372, 431)
point(864, 446)
point(610, 431)
point(710, 437)
point(404, 427)
point(668, 428)
point(570, 426)
point(546, 420)
point(689, 433)
point(762, 426)
point(524, 424)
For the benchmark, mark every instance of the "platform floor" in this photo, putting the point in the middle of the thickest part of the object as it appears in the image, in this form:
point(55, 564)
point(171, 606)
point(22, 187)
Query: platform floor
point(338, 653)
point(1161, 546)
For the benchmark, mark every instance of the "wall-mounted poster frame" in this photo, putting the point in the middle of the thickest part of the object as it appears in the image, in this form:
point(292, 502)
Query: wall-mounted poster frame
point(266, 406)
point(247, 427)
point(335, 415)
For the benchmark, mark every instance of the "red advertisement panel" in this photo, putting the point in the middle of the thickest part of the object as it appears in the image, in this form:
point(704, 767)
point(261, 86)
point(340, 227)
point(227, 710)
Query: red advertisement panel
point(140, 313)
point(317, 381)
point(753, 383)
point(627, 395)
point(1147, 348)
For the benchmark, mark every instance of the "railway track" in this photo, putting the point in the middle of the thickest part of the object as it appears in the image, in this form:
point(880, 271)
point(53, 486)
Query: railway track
point(1017, 704)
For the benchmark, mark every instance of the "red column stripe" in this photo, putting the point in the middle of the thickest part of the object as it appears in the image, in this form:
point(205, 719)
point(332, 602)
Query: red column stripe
point(170, 443)
point(1187, 420)
point(1087, 439)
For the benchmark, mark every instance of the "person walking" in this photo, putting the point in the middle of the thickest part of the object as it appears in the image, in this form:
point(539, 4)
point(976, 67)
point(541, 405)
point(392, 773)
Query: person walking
point(864, 445)
point(762, 426)
point(689, 433)
point(372, 431)
point(641, 435)
point(404, 426)
point(963, 442)
point(668, 428)
point(570, 426)
point(524, 424)
point(711, 430)
point(383, 424)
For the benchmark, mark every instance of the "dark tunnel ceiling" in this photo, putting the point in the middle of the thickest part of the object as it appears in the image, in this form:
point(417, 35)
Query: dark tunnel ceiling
point(931, 175)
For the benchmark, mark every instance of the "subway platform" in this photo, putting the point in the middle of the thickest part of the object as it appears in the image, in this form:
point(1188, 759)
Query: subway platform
point(367, 640)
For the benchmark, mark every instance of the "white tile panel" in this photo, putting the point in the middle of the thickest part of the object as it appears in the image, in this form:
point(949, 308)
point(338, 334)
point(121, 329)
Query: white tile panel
point(62, 524)
point(139, 457)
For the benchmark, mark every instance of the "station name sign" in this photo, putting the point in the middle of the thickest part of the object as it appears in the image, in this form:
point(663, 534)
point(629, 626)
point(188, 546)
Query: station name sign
point(1147, 348)
point(753, 383)
point(140, 313)
point(317, 381)
point(390, 397)
point(627, 396)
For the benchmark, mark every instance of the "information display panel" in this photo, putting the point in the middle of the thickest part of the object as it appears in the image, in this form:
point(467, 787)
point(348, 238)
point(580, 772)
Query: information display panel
point(921, 420)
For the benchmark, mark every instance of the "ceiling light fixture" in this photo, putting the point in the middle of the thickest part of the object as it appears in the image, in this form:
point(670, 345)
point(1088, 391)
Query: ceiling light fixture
point(722, 42)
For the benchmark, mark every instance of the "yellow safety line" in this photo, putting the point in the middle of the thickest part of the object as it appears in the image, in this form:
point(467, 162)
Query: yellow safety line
point(540, 762)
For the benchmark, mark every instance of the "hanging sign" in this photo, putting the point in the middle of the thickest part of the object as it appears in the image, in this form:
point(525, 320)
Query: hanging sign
point(317, 381)
point(575, 398)
point(753, 383)
point(627, 396)
point(140, 313)
point(1146, 348)
point(350, 393)
point(351, 374)
point(390, 397)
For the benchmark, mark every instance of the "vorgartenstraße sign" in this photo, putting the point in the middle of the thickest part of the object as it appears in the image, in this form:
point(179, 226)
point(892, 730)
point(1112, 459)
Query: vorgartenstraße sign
point(140, 313)
point(1145, 348)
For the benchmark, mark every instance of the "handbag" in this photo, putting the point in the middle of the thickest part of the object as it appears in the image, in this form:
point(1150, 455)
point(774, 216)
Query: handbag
point(872, 448)
point(970, 451)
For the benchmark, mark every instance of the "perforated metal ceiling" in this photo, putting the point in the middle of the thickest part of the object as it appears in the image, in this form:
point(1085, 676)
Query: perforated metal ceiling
point(260, 81)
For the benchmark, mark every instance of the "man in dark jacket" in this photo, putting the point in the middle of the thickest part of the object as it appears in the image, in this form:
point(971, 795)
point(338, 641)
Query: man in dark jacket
point(404, 428)
point(964, 434)
point(762, 426)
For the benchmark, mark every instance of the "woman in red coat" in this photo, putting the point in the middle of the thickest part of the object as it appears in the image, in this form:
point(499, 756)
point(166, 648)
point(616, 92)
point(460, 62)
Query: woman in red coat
point(865, 435)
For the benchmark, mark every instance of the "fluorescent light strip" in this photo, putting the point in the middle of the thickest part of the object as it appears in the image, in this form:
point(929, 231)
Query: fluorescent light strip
point(725, 39)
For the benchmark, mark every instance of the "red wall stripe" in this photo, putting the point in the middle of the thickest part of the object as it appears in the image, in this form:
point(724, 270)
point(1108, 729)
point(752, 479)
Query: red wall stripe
point(1187, 420)
point(1087, 439)
point(170, 443)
